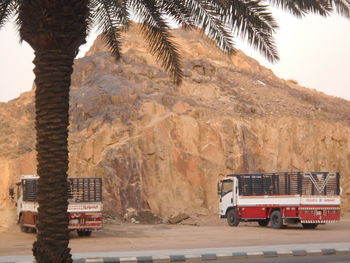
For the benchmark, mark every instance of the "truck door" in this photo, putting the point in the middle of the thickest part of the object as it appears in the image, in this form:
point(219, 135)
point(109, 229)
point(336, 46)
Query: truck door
point(228, 194)
point(235, 191)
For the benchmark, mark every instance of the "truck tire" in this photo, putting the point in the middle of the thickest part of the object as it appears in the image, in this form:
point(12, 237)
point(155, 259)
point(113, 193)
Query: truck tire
point(84, 233)
point(88, 233)
point(276, 219)
point(309, 225)
point(232, 217)
point(263, 222)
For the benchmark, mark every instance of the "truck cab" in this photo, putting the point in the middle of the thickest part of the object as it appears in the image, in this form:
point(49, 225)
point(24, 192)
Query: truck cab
point(228, 193)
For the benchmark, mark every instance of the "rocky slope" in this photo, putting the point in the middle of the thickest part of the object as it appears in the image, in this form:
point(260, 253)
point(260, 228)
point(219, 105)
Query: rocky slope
point(163, 148)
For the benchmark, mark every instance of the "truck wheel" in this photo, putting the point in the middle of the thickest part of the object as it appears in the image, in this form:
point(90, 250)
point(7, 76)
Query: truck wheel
point(88, 233)
point(276, 219)
point(84, 233)
point(263, 222)
point(232, 217)
point(309, 226)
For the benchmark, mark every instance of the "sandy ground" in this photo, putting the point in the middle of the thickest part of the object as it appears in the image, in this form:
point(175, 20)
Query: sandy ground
point(206, 232)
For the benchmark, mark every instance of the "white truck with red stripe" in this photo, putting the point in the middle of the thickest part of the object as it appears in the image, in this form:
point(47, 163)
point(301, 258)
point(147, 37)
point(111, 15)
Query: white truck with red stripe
point(84, 208)
point(281, 198)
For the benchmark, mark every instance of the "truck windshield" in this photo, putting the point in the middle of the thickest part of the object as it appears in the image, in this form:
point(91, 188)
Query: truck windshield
point(227, 187)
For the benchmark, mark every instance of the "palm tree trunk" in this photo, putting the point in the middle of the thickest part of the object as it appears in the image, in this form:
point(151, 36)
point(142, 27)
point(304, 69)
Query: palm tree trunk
point(53, 71)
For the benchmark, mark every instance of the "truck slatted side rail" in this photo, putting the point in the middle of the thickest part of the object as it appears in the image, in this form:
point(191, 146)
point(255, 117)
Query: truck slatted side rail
point(289, 183)
point(29, 187)
point(85, 190)
point(80, 189)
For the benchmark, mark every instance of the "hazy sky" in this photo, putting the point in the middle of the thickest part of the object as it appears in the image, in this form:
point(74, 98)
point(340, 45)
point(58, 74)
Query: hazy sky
point(314, 51)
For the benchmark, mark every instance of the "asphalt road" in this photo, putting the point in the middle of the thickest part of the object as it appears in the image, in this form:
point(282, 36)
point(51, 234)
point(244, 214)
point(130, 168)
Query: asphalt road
point(302, 253)
point(132, 237)
point(302, 259)
point(211, 235)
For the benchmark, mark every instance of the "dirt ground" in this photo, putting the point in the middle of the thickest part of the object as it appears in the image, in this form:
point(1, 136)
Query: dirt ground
point(202, 232)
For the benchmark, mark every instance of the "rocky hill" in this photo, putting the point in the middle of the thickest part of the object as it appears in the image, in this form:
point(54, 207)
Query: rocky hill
point(163, 148)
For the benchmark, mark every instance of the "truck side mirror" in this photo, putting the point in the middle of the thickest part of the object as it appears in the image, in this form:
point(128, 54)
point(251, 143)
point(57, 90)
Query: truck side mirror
point(219, 188)
point(11, 192)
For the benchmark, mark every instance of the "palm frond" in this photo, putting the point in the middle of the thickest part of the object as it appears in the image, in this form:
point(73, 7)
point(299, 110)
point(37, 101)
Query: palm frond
point(177, 12)
point(7, 9)
point(254, 22)
point(300, 8)
point(342, 7)
point(157, 34)
point(110, 16)
point(205, 14)
point(90, 19)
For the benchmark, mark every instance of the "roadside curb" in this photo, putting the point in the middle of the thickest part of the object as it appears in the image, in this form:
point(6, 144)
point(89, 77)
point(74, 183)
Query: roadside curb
point(216, 256)
point(223, 256)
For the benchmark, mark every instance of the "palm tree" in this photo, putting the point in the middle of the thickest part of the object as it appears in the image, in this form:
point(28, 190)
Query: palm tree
point(56, 28)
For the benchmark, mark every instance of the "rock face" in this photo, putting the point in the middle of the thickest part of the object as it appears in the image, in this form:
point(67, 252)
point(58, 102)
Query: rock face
point(163, 148)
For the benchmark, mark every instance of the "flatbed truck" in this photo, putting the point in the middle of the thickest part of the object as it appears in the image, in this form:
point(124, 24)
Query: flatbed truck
point(84, 208)
point(281, 198)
